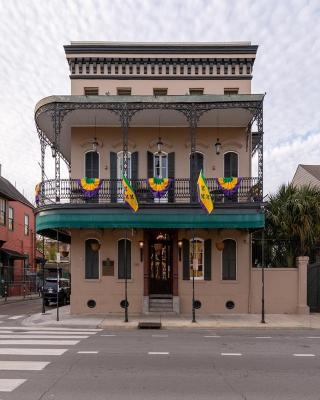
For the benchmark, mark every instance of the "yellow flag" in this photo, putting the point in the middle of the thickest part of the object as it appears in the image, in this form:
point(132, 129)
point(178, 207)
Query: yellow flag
point(129, 195)
point(204, 195)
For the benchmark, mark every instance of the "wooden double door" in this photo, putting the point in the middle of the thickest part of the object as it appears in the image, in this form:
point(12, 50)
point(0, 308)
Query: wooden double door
point(160, 263)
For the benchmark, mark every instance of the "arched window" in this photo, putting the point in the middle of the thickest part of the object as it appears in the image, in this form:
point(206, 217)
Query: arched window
point(160, 165)
point(92, 164)
point(229, 260)
point(231, 160)
point(92, 253)
point(124, 248)
point(196, 251)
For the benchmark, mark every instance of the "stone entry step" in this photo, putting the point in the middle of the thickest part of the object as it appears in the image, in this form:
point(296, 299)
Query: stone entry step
point(160, 305)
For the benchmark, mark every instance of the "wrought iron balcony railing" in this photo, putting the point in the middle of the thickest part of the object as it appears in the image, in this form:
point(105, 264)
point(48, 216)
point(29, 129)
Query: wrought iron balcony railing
point(181, 191)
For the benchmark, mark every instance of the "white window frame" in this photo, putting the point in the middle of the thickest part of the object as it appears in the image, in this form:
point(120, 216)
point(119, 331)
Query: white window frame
point(84, 162)
point(198, 278)
point(99, 256)
point(26, 227)
point(221, 262)
point(10, 218)
point(162, 155)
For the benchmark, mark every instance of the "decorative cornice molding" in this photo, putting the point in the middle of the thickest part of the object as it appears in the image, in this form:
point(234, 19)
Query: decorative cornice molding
point(161, 77)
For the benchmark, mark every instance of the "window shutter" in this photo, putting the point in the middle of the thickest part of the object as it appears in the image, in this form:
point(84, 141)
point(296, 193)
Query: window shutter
point(121, 252)
point(171, 174)
point(113, 176)
point(92, 165)
point(150, 164)
point(186, 259)
point(134, 165)
point(207, 260)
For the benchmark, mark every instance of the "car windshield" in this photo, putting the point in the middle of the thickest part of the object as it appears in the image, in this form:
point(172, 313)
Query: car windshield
point(50, 284)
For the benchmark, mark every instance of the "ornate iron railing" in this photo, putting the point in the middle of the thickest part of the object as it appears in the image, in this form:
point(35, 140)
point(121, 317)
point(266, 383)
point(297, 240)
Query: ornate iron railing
point(181, 191)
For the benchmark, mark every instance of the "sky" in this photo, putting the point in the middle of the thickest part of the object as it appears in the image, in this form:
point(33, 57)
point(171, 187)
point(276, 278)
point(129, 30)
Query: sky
point(287, 67)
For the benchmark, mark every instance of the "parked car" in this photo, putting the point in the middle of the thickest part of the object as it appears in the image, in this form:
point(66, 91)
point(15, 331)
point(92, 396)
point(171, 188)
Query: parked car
point(50, 291)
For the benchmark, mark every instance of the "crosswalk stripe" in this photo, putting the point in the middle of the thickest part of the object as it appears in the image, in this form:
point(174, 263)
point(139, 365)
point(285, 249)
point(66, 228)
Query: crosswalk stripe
point(41, 328)
point(23, 365)
point(16, 316)
point(39, 342)
point(87, 352)
point(4, 315)
point(49, 333)
point(31, 352)
point(8, 385)
point(26, 336)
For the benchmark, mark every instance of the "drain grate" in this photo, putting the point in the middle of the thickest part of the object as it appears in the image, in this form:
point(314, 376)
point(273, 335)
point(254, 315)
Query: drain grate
point(149, 325)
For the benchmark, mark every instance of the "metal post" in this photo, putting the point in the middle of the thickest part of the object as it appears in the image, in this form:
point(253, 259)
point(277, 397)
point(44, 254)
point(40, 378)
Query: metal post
point(43, 262)
point(125, 280)
point(262, 281)
point(57, 129)
point(193, 308)
point(57, 261)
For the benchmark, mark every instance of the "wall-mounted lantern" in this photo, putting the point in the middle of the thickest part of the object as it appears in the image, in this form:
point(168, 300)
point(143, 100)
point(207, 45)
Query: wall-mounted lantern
point(95, 246)
point(53, 150)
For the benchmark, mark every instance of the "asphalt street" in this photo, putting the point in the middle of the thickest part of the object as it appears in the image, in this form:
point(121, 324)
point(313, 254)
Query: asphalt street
point(91, 364)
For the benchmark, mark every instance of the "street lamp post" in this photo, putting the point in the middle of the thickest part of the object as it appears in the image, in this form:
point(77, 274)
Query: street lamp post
point(43, 262)
point(125, 280)
point(262, 281)
point(193, 269)
point(57, 262)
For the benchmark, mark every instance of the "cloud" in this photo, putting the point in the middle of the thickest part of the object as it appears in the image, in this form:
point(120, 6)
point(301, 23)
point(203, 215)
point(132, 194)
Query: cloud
point(32, 65)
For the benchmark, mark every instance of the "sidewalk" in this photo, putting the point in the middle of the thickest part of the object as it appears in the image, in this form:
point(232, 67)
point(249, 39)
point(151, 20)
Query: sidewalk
point(16, 299)
point(240, 321)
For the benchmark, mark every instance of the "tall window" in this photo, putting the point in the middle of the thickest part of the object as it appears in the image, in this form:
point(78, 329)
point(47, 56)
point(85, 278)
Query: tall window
point(26, 224)
point(229, 260)
point(231, 164)
point(160, 165)
point(92, 247)
point(124, 247)
point(120, 167)
point(11, 219)
point(92, 164)
point(196, 252)
point(2, 212)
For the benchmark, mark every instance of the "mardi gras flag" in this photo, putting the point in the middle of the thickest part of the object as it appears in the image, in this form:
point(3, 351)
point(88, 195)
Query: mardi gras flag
point(129, 196)
point(159, 186)
point(37, 194)
point(204, 195)
point(228, 185)
point(90, 186)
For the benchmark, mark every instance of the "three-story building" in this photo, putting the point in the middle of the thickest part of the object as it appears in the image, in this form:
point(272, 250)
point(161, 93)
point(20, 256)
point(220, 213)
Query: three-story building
point(155, 111)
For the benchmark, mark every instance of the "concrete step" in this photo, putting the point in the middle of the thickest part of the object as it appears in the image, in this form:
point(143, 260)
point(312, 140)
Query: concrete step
point(160, 301)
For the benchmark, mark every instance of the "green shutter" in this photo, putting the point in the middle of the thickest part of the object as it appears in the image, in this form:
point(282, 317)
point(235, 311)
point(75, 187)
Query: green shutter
point(149, 195)
point(207, 260)
point(113, 176)
point(186, 259)
point(171, 174)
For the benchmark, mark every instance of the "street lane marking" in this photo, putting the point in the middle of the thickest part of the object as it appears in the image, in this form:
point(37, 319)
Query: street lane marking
point(304, 355)
point(48, 333)
point(4, 315)
point(88, 352)
point(40, 328)
point(161, 353)
point(159, 336)
point(26, 336)
point(31, 352)
point(16, 316)
point(212, 336)
point(313, 337)
point(231, 354)
point(8, 385)
point(41, 342)
point(263, 337)
point(22, 365)
point(108, 335)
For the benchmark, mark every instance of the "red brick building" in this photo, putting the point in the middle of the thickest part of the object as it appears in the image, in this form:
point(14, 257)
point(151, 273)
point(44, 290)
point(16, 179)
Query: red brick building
point(17, 238)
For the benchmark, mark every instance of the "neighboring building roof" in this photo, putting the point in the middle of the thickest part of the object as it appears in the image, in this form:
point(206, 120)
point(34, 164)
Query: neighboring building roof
point(312, 169)
point(8, 191)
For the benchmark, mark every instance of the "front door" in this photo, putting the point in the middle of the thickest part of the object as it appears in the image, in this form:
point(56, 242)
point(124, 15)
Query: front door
point(160, 250)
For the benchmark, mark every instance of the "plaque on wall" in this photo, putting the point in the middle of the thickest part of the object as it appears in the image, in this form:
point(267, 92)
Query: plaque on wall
point(107, 267)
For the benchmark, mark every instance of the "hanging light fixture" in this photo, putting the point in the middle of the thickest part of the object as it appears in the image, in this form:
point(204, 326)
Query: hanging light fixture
point(218, 147)
point(95, 145)
point(159, 145)
point(95, 245)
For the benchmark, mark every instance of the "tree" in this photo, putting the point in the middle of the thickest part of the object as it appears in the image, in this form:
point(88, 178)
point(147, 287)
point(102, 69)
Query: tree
point(293, 221)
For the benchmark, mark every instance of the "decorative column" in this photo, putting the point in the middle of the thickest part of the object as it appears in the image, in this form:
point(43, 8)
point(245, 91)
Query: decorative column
point(43, 153)
point(57, 130)
point(260, 149)
point(124, 118)
point(193, 118)
point(302, 265)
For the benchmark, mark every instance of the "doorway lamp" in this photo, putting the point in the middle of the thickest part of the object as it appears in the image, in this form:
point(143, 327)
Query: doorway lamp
point(180, 248)
point(218, 147)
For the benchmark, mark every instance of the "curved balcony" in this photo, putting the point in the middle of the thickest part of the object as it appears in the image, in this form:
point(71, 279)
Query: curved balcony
point(182, 191)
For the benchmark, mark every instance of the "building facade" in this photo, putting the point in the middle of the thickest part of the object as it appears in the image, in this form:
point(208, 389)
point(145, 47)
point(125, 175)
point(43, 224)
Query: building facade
point(17, 239)
point(155, 111)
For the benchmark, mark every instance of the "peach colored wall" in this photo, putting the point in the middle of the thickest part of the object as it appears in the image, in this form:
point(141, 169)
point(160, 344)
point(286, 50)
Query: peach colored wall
point(215, 293)
point(281, 290)
point(108, 291)
point(145, 87)
point(175, 139)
